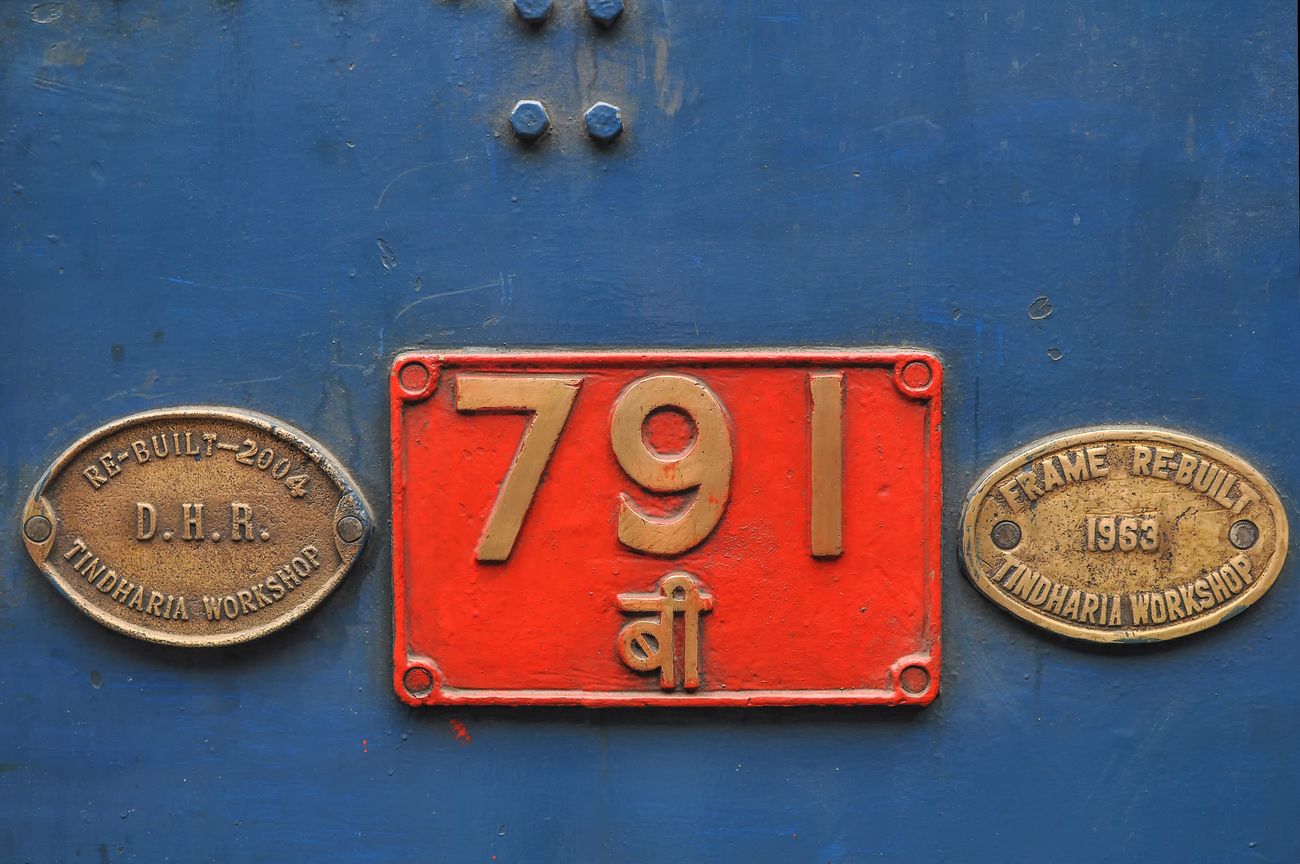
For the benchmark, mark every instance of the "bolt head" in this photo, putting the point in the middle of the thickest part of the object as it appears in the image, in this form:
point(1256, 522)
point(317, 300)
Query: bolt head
point(529, 120)
point(533, 11)
point(604, 12)
point(38, 529)
point(1006, 535)
point(604, 122)
point(350, 529)
point(1243, 534)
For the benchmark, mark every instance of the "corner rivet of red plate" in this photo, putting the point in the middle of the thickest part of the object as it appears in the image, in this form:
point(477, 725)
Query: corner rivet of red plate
point(915, 680)
point(418, 681)
point(917, 375)
point(414, 377)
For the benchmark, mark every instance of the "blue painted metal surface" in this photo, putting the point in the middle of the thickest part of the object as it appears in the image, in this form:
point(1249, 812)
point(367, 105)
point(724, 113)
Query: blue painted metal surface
point(258, 203)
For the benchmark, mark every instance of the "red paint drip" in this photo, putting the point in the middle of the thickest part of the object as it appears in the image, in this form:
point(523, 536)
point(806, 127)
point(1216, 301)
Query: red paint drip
point(363, 746)
point(462, 734)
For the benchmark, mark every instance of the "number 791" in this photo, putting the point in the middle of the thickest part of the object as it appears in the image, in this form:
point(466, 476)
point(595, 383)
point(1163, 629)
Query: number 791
point(704, 467)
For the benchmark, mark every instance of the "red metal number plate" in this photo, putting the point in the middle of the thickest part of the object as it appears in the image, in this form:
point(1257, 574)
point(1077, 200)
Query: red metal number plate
point(720, 528)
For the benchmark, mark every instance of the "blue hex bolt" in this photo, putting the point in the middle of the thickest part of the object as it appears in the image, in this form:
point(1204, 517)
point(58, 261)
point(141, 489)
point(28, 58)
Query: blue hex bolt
point(604, 12)
point(529, 120)
point(533, 11)
point(604, 122)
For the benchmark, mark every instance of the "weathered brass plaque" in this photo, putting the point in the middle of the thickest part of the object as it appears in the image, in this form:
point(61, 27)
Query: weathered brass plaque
point(195, 526)
point(1123, 534)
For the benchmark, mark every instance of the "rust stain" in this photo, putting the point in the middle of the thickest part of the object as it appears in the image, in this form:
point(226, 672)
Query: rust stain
point(669, 97)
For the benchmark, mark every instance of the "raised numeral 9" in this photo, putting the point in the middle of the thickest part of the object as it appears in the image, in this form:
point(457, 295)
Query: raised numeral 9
point(705, 465)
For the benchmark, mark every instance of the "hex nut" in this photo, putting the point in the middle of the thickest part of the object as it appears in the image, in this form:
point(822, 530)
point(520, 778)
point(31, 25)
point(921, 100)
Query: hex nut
point(604, 122)
point(535, 12)
point(529, 120)
point(604, 12)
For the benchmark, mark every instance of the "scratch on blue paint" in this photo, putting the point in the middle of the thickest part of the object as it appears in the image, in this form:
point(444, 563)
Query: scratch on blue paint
point(251, 381)
point(401, 174)
point(855, 157)
point(788, 18)
point(940, 316)
point(498, 283)
point(492, 162)
point(284, 292)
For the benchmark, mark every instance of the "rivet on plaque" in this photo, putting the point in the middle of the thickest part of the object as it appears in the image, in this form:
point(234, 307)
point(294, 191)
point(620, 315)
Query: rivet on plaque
point(195, 526)
point(1125, 534)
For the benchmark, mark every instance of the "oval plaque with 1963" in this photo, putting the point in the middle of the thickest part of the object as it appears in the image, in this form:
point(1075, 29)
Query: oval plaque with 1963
point(197, 526)
point(1123, 534)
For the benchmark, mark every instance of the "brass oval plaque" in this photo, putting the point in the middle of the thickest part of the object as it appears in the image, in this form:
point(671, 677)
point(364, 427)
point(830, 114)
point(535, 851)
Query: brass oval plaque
point(195, 526)
point(1123, 534)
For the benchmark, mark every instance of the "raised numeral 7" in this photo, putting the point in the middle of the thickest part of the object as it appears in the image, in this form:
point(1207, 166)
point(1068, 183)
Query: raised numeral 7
point(549, 399)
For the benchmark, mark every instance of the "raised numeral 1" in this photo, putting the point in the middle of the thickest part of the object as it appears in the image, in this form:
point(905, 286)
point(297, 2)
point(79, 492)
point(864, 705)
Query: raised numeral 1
point(549, 399)
point(827, 390)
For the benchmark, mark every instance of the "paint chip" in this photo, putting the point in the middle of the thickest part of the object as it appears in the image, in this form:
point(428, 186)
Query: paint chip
point(387, 256)
point(462, 734)
point(45, 13)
